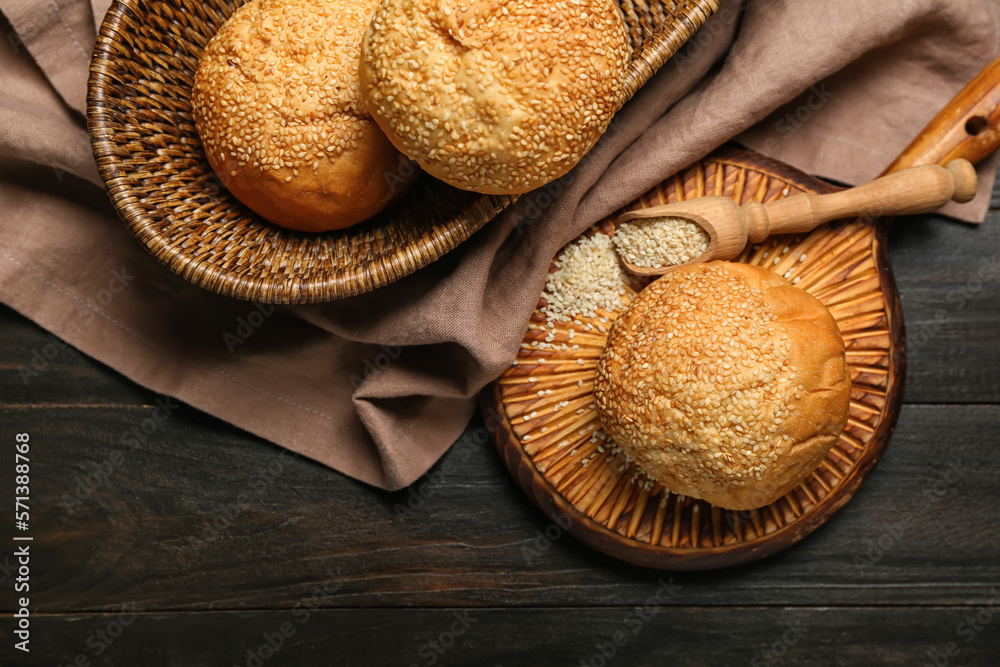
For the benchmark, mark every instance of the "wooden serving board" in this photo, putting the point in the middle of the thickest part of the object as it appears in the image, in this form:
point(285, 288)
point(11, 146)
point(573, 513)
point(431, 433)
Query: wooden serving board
point(551, 436)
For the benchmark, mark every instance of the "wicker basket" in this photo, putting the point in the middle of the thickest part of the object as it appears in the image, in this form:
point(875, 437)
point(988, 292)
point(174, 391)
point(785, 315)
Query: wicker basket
point(151, 160)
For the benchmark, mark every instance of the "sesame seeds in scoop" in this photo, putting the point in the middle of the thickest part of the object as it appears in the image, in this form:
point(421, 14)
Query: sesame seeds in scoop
point(658, 242)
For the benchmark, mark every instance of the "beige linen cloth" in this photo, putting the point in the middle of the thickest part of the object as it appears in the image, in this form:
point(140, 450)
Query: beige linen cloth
point(379, 386)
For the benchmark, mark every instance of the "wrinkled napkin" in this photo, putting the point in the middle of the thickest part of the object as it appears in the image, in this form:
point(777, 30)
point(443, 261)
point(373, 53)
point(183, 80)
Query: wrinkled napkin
point(378, 386)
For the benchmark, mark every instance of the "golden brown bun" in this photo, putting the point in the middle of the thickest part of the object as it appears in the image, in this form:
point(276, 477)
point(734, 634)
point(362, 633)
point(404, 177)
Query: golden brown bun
point(494, 96)
point(277, 106)
point(724, 382)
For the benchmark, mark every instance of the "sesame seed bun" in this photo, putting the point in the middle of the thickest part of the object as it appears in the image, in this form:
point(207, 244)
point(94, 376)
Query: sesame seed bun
point(724, 382)
point(490, 96)
point(277, 106)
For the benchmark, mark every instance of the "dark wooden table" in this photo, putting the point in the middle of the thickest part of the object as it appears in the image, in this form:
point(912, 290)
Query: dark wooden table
point(187, 542)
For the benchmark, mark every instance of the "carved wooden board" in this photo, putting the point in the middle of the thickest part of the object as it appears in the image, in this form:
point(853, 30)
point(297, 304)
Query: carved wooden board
point(551, 437)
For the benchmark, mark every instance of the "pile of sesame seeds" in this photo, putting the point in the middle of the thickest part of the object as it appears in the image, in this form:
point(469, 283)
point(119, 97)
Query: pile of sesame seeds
point(696, 381)
point(588, 277)
point(656, 242)
point(497, 97)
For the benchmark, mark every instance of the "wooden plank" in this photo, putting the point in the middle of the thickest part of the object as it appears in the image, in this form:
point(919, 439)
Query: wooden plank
point(37, 367)
point(646, 634)
point(949, 283)
point(194, 514)
point(948, 276)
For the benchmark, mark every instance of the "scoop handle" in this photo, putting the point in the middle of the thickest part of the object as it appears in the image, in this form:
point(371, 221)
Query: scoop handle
point(915, 190)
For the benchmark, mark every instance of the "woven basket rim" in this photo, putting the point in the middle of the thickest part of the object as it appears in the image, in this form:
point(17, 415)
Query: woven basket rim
point(144, 224)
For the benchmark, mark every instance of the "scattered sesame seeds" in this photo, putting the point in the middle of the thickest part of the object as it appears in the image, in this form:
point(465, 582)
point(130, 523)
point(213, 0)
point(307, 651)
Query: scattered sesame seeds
point(655, 242)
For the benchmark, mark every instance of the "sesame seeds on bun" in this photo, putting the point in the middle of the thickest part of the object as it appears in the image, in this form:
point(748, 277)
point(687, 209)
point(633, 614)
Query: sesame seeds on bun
point(277, 106)
point(492, 96)
point(724, 382)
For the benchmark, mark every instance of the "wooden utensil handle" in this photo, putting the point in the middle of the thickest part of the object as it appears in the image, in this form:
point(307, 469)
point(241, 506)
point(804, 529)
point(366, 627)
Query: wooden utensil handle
point(915, 190)
point(969, 127)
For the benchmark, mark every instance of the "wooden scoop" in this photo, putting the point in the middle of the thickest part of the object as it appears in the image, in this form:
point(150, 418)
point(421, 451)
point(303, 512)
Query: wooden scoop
point(729, 226)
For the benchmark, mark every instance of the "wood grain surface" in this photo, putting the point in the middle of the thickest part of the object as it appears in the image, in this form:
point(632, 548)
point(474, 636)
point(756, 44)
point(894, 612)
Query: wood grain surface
point(205, 539)
point(647, 635)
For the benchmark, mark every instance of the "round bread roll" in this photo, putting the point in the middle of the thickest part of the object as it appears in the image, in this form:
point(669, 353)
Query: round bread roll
point(494, 96)
point(724, 382)
point(277, 105)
